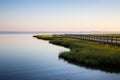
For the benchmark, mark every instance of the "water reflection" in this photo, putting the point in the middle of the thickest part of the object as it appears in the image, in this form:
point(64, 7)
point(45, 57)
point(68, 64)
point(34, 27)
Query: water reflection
point(101, 68)
point(23, 57)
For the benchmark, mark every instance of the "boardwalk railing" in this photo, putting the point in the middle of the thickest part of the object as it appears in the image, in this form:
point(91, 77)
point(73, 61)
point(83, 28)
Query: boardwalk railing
point(105, 38)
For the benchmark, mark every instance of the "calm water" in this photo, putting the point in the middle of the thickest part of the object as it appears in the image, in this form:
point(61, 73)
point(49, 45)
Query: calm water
point(23, 57)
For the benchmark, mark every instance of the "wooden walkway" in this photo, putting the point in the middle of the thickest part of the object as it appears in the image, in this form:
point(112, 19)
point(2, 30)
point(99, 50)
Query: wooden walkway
point(104, 38)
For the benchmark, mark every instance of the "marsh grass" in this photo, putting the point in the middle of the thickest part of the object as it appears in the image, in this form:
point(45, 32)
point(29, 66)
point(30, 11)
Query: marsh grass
point(88, 52)
point(45, 37)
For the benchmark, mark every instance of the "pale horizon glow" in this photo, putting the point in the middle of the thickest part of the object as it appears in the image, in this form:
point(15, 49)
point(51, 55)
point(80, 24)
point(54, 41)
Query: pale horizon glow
point(59, 15)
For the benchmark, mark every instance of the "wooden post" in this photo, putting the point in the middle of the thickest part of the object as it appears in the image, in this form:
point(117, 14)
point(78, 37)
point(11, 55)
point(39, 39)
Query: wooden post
point(116, 40)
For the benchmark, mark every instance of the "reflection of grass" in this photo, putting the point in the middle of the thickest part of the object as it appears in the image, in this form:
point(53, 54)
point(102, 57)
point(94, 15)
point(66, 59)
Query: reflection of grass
point(87, 52)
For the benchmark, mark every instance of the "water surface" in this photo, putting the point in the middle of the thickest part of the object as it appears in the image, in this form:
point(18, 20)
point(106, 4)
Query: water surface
point(23, 57)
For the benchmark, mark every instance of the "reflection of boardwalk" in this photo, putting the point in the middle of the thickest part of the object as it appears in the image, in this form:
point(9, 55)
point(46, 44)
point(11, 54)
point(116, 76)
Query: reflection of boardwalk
point(105, 38)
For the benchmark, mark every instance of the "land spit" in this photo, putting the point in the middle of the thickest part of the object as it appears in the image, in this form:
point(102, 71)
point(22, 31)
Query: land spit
point(84, 51)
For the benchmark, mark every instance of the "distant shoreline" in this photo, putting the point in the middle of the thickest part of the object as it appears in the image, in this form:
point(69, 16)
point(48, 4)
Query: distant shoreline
point(57, 32)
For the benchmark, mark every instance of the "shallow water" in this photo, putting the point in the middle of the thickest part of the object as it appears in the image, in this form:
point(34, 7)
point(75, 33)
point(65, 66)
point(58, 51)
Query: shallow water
point(23, 57)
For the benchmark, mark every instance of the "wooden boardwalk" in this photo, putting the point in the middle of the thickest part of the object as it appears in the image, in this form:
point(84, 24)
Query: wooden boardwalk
point(104, 38)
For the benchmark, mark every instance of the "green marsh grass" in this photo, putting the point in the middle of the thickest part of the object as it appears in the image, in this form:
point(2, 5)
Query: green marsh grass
point(87, 52)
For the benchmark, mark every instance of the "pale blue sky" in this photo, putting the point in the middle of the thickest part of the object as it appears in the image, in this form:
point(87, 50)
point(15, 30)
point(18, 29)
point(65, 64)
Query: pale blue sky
point(59, 15)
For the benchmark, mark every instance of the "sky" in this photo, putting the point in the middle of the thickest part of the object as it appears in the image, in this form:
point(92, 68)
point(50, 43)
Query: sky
point(59, 15)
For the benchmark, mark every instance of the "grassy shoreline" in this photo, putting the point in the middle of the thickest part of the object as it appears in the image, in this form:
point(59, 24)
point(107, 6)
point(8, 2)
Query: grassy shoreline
point(87, 52)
